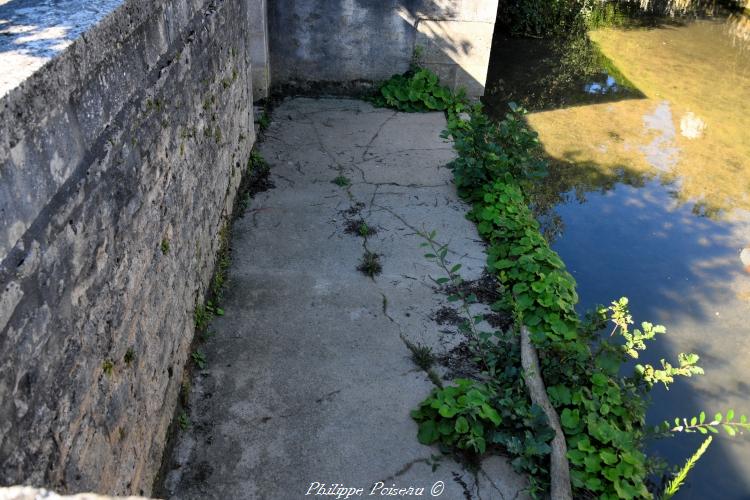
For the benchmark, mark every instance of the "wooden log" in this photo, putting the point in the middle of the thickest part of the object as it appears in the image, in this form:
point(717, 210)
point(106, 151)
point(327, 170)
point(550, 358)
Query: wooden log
point(560, 488)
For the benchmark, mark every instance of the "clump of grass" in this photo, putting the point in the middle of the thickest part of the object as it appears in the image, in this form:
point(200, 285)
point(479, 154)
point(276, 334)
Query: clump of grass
point(165, 246)
point(183, 421)
point(185, 393)
point(202, 317)
point(129, 356)
point(370, 264)
point(264, 121)
point(342, 181)
point(360, 228)
point(199, 359)
point(206, 336)
point(108, 367)
point(223, 262)
point(256, 162)
point(422, 356)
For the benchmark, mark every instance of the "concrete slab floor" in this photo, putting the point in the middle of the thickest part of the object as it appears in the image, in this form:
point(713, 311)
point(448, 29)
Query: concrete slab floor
point(308, 377)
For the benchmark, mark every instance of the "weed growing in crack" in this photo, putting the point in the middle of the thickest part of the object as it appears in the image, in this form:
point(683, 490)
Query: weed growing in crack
point(342, 181)
point(199, 359)
point(360, 228)
point(185, 393)
point(264, 121)
point(165, 246)
point(223, 260)
point(422, 356)
point(204, 314)
point(370, 264)
point(129, 356)
point(183, 421)
point(256, 163)
point(202, 317)
point(108, 367)
point(243, 204)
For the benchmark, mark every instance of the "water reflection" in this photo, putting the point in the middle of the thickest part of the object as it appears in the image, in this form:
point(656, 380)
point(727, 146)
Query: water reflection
point(649, 197)
point(686, 273)
point(672, 114)
point(609, 85)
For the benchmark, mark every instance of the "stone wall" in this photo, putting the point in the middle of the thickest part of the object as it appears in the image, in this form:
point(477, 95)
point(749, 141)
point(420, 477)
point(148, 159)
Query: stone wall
point(119, 162)
point(316, 42)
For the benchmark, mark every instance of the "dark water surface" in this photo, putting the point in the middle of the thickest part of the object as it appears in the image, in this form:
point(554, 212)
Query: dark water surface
point(649, 198)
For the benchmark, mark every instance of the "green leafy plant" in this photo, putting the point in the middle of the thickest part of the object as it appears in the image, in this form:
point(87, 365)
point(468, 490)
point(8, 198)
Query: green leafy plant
point(108, 367)
point(165, 246)
point(488, 150)
point(256, 162)
point(129, 356)
point(364, 230)
point(223, 261)
point(185, 393)
point(679, 479)
point(183, 421)
point(370, 264)
point(698, 423)
point(602, 412)
point(458, 416)
point(342, 181)
point(202, 316)
point(423, 356)
point(199, 359)
point(418, 90)
point(264, 121)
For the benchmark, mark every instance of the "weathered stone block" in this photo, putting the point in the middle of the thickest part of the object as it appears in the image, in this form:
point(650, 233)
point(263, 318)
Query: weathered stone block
point(136, 134)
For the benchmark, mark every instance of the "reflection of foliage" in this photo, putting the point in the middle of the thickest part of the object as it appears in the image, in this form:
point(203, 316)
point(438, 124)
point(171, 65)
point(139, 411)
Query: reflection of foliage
point(570, 181)
point(541, 18)
point(546, 74)
point(561, 18)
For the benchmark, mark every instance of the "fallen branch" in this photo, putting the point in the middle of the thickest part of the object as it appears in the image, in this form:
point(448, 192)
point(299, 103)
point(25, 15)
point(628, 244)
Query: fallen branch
point(559, 469)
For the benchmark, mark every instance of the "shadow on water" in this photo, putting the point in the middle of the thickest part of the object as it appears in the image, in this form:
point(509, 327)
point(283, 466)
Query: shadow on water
point(541, 74)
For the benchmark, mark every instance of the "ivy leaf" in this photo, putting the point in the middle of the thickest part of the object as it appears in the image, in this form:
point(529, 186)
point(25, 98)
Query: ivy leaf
point(462, 425)
point(608, 457)
point(570, 418)
point(428, 433)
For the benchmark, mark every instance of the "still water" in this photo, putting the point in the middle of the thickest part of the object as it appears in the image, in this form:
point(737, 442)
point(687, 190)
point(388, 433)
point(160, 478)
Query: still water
point(649, 197)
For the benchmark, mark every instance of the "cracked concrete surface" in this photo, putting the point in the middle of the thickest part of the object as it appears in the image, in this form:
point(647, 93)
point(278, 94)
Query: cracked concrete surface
point(308, 378)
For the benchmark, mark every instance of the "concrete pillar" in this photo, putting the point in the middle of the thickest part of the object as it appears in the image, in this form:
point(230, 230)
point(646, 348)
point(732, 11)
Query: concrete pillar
point(454, 39)
point(259, 58)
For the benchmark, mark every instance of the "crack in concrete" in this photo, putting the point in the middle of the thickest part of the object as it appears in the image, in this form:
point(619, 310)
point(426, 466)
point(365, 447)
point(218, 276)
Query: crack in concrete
point(377, 133)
